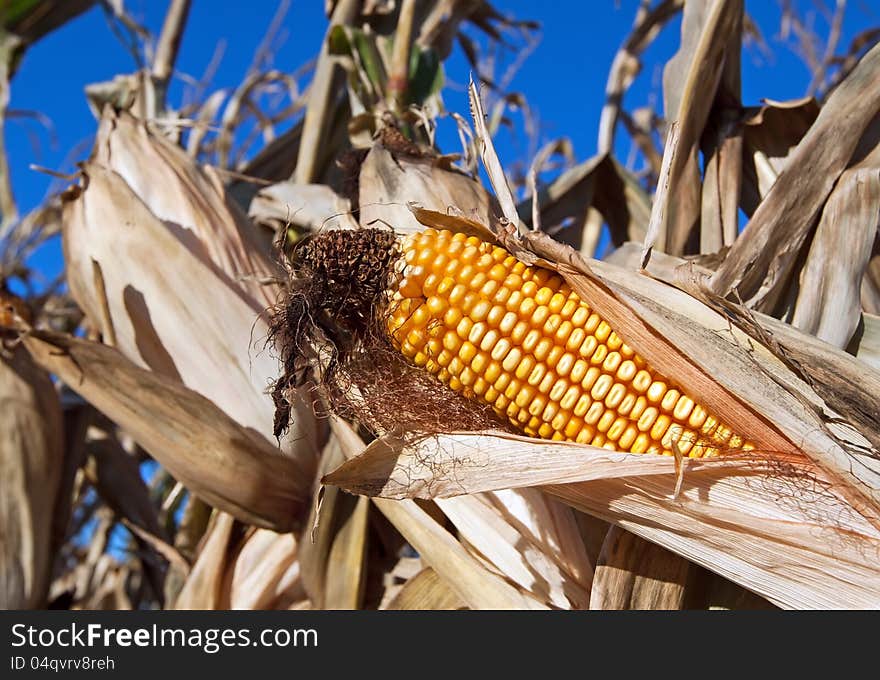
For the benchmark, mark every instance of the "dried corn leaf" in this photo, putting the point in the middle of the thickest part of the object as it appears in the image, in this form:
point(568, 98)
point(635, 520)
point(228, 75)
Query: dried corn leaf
point(436, 467)
point(318, 121)
point(599, 182)
point(867, 341)
point(310, 207)
point(265, 569)
point(185, 196)
point(134, 300)
point(684, 338)
point(633, 573)
point(320, 526)
point(346, 558)
point(750, 521)
point(31, 457)
point(203, 588)
point(520, 560)
point(489, 156)
point(710, 30)
point(722, 145)
point(116, 476)
point(835, 375)
point(175, 311)
point(770, 133)
point(478, 587)
point(426, 591)
point(548, 523)
point(759, 263)
point(227, 465)
point(387, 184)
point(828, 304)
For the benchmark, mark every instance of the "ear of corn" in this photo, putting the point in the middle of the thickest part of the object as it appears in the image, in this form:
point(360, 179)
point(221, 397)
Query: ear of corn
point(518, 338)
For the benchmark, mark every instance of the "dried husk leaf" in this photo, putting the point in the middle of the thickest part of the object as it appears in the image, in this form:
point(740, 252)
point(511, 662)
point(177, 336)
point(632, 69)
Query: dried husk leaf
point(203, 588)
point(548, 523)
point(117, 479)
point(760, 261)
point(865, 344)
point(828, 304)
point(722, 146)
point(265, 570)
point(478, 587)
point(770, 133)
point(175, 311)
point(870, 293)
point(600, 183)
point(867, 341)
point(426, 591)
point(317, 122)
point(388, 183)
point(227, 465)
point(691, 80)
point(523, 561)
point(633, 573)
point(750, 521)
point(31, 458)
point(315, 548)
point(682, 337)
point(346, 558)
point(188, 196)
point(310, 207)
point(489, 156)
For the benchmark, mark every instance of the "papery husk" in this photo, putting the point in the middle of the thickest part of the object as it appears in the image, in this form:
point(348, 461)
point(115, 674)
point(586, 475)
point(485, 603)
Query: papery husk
point(266, 572)
point(186, 195)
point(633, 573)
point(310, 207)
point(866, 344)
point(203, 588)
point(599, 184)
point(828, 303)
point(226, 464)
point(770, 133)
point(346, 558)
point(388, 182)
point(710, 45)
point(179, 290)
point(487, 529)
point(31, 460)
point(760, 261)
point(117, 479)
point(192, 309)
point(476, 585)
point(804, 505)
point(426, 590)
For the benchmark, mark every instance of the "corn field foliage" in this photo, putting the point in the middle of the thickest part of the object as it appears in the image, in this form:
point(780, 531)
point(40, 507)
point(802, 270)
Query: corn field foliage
point(152, 351)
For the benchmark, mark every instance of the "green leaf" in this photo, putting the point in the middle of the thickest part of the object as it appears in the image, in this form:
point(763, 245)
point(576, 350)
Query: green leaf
point(425, 75)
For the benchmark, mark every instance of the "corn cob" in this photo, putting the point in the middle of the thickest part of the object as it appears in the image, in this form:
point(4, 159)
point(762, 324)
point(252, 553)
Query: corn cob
point(518, 338)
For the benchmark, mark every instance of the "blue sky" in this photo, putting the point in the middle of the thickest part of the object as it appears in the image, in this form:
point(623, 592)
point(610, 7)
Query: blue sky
point(563, 79)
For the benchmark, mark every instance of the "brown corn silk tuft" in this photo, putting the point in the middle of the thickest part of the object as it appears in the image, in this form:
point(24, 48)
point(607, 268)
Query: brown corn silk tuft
point(330, 332)
point(517, 338)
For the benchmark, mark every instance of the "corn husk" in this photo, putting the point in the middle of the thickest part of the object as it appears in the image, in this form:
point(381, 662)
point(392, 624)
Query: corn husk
point(476, 585)
point(222, 462)
point(194, 309)
point(310, 207)
point(425, 590)
point(633, 573)
point(387, 184)
point(31, 457)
